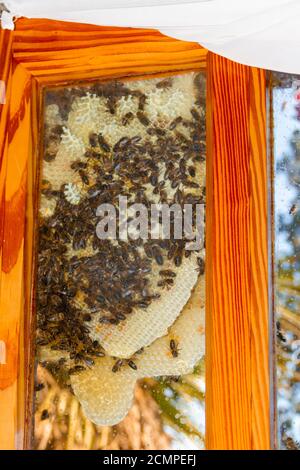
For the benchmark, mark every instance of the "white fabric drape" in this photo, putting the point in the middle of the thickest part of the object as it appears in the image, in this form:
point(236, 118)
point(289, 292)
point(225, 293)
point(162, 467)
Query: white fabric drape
point(263, 33)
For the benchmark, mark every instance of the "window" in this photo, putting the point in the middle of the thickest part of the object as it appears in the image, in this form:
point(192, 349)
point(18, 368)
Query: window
point(120, 311)
point(286, 116)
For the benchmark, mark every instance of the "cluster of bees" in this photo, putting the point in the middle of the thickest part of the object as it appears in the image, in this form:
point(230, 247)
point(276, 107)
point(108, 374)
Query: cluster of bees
point(116, 278)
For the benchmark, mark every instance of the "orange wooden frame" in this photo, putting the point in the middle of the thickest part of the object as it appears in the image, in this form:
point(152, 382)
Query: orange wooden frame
point(40, 53)
point(237, 320)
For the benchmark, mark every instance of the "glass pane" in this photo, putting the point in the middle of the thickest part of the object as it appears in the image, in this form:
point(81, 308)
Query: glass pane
point(120, 275)
point(286, 112)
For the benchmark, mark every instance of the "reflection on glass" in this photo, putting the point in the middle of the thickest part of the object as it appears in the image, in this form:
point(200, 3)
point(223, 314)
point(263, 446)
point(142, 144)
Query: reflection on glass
point(286, 112)
point(120, 294)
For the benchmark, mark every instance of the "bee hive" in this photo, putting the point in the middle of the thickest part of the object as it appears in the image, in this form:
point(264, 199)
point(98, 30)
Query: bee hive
point(112, 311)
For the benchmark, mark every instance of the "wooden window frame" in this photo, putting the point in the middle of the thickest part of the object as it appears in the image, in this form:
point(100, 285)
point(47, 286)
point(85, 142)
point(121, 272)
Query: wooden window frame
point(39, 53)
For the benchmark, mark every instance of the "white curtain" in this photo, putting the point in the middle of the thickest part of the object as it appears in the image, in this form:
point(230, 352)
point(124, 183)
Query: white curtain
point(263, 33)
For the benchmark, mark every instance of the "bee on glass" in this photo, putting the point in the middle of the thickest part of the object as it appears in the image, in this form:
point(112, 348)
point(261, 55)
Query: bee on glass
point(165, 283)
point(132, 364)
point(174, 348)
point(117, 365)
point(293, 209)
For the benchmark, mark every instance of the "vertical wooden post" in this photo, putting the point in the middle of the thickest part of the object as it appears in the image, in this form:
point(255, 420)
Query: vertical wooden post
point(237, 364)
point(15, 153)
point(8, 385)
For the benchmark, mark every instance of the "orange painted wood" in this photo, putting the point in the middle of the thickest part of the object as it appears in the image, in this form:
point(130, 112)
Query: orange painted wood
point(37, 54)
point(260, 327)
point(12, 314)
point(237, 339)
point(5, 73)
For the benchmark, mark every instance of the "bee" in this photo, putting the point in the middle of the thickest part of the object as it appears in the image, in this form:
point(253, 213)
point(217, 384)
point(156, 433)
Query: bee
point(195, 114)
point(97, 353)
point(111, 104)
point(142, 102)
point(164, 84)
point(49, 156)
point(151, 131)
point(76, 369)
point(143, 118)
point(55, 317)
point(93, 139)
point(182, 166)
point(117, 365)
point(191, 184)
point(293, 209)
point(279, 334)
point(174, 184)
point(78, 242)
point(120, 316)
point(38, 387)
point(127, 118)
point(167, 273)
point(103, 144)
point(148, 251)
point(140, 351)
point(201, 265)
point(172, 251)
point(174, 348)
point(291, 444)
point(156, 131)
point(192, 171)
point(165, 283)
point(84, 177)
point(78, 165)
point(174, 378)
point(104, 320)
point(135, 139)
point(91, 154)
point(175, 123)
point(42, 341)
point(57, 130)
point(142, 304)
point(181, 138)
point(132, 364)
point(87, 317)
point(45, 415)
point(46, 185)
point(89, 361)
point(153, 180)
point(158, 256)
point(178, 260)
point(121, 144)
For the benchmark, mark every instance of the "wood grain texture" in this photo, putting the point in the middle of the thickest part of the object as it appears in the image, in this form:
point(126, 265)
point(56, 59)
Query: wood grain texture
point(5, 74)
point(40, 53)
point(12, 314)
point(237, 365)
point(260, 322)
point(67, 52)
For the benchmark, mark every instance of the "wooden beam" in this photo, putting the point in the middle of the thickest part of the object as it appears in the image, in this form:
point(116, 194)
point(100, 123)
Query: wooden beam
point(14, 173)
point(237, 351)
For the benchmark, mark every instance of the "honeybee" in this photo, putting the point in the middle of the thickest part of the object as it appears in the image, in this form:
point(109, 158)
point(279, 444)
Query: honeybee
point(117, 365)
point(293, 209)
point(174, 348)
